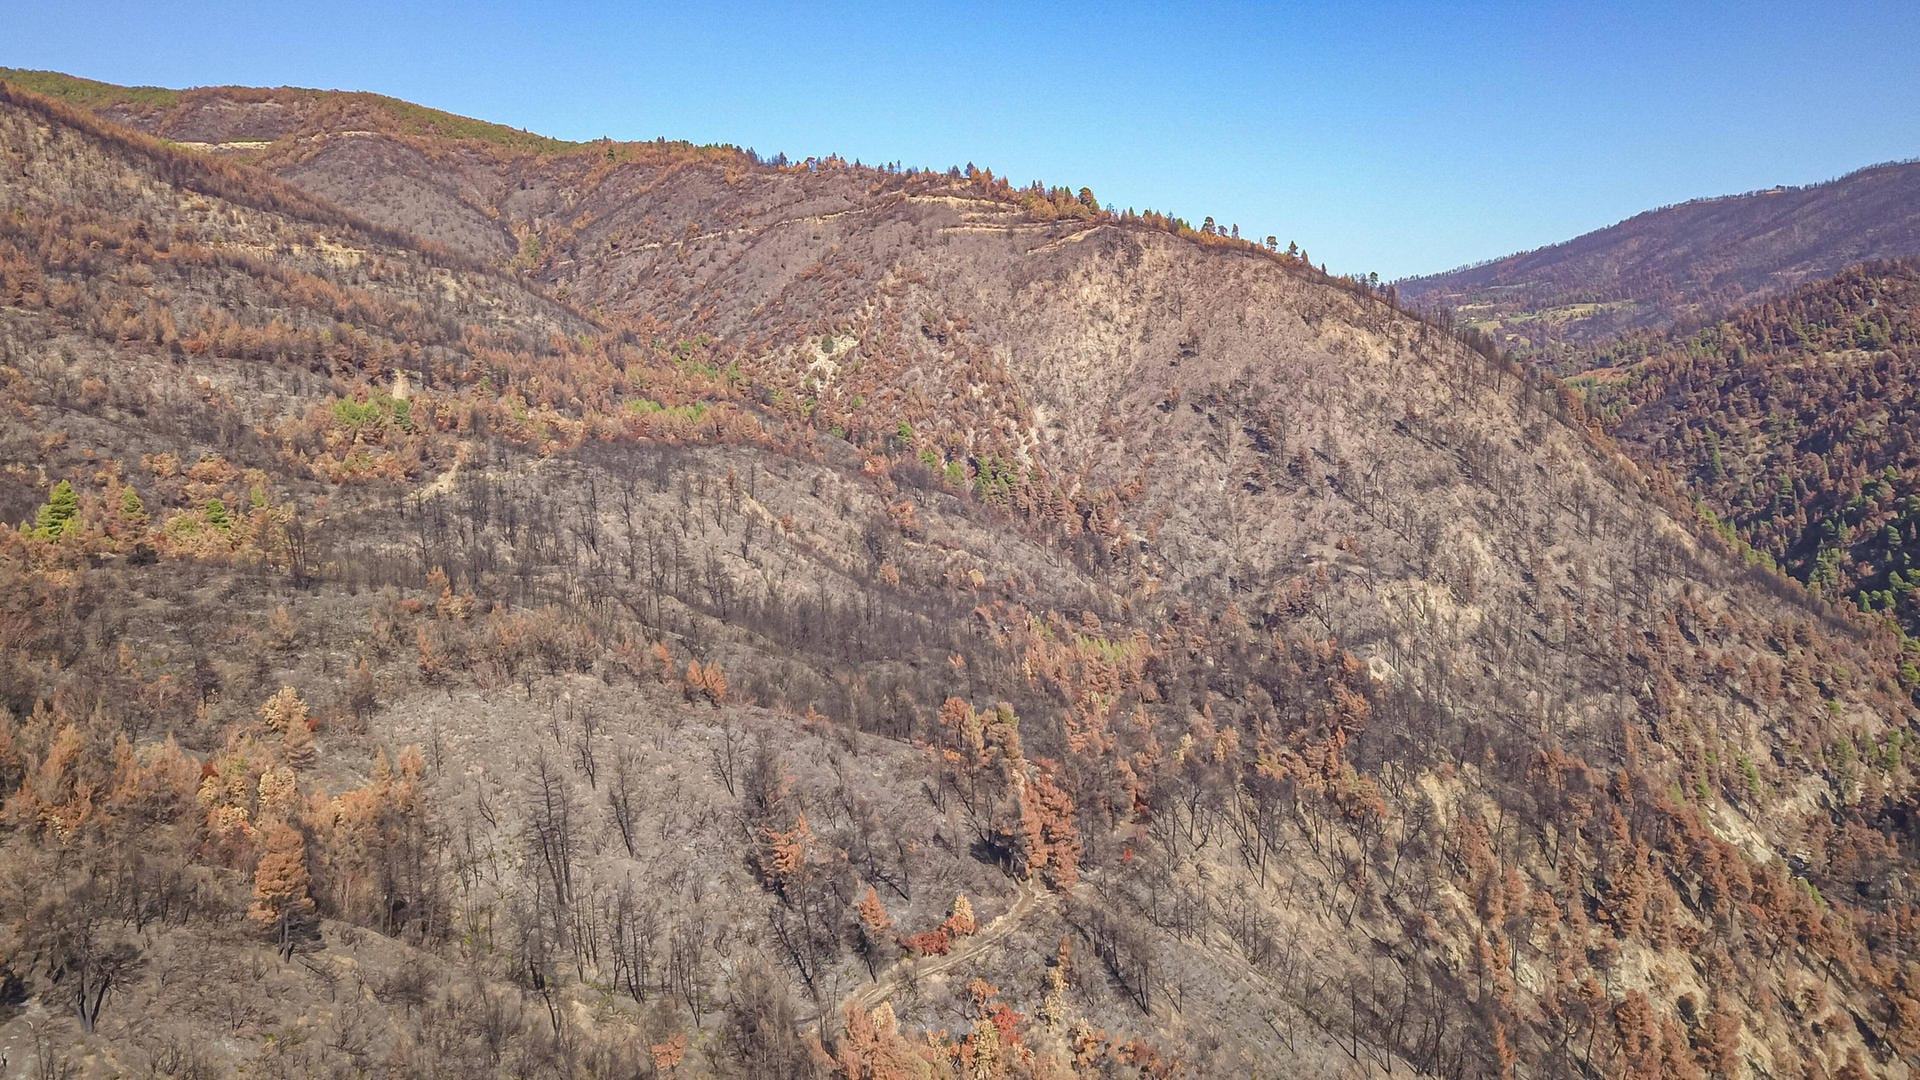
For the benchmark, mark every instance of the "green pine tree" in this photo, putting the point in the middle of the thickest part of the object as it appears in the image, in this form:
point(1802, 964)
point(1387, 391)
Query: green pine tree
point(61, 513)
point(132, 511)
point(217, 514)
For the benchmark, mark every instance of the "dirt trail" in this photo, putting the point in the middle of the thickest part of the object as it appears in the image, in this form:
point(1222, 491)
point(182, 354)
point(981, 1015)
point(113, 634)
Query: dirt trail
point(1028, 898)
point(439, 486)
point(892, 200)
point(443, 483)
point(769, 226)
point(1071, 238)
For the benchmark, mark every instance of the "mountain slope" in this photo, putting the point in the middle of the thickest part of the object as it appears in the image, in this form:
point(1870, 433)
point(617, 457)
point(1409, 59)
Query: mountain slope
point(1310, 693)
point(1793, 422)
point(1683, 264)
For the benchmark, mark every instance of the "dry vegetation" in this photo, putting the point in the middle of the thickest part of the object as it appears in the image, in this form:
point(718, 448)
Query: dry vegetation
point(717, 617)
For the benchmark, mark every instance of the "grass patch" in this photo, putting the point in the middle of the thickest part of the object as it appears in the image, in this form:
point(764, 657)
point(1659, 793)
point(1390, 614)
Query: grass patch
point(648, 407)
point(87, 92)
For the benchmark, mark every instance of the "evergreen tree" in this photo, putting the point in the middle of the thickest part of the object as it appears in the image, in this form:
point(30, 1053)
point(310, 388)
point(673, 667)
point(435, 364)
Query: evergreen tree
point(61, 513)
point(133, 513)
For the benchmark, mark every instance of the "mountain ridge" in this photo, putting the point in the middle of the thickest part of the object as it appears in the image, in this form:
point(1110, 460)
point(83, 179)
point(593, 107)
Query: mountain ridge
point(803, 556)
point(173, 113)
point(1682, 263)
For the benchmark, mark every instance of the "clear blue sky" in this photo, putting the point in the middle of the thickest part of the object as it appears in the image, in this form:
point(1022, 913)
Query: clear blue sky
point(1398, 138)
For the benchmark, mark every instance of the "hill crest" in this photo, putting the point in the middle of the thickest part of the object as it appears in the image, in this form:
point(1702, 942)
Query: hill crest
point(1682, 264)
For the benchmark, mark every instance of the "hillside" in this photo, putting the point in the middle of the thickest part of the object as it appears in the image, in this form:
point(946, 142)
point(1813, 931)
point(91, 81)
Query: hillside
point(1681, 265)
point(1793, 422)
point(693, 579)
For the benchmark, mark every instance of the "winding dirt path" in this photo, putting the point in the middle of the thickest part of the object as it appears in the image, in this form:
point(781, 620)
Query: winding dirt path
point(767, 226)
point(443, 484)
point(440, 485)
point(1070, 238)
point(890, 200)
point(1028, 898)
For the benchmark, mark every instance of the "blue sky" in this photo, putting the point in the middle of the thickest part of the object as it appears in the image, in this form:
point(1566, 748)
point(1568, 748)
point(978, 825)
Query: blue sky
point(1388, 137)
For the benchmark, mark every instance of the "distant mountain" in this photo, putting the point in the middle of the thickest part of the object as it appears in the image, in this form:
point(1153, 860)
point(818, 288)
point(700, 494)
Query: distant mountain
point(635, 609)
point(1682, 264)
point(1797, 423)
